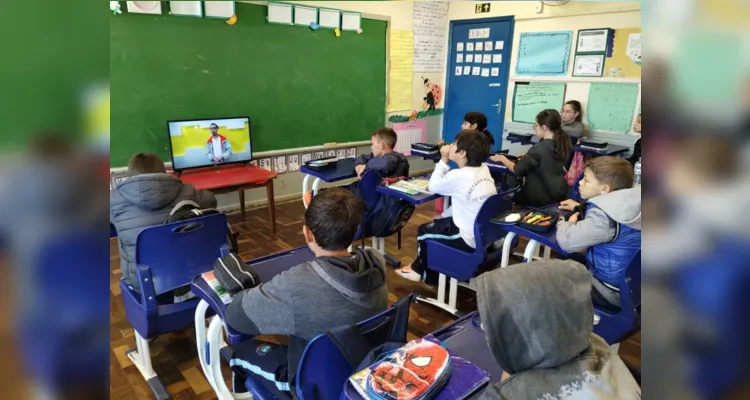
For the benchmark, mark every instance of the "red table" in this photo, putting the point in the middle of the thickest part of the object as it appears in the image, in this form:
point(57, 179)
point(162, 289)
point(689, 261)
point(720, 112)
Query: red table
point(220, 180)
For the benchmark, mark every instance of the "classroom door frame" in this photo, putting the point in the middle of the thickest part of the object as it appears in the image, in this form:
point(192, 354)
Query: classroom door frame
point(508, 18)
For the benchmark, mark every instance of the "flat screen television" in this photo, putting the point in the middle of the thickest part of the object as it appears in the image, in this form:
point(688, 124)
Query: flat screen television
point(205, 142)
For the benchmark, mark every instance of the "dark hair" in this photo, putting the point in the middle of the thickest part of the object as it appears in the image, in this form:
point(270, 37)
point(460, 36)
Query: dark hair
point(146, 163)
point(387, 136)
point(616, 172)
point(213, 124)
point(552, 120)
point(576, 105)
point(333, 217)
point(475, 144)
point(480, 119)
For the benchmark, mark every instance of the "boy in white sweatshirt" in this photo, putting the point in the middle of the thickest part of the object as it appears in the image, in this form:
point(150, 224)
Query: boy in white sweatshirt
point(469, 186)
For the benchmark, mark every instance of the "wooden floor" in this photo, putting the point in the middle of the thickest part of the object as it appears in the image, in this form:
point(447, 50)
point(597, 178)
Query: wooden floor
point(174, 356)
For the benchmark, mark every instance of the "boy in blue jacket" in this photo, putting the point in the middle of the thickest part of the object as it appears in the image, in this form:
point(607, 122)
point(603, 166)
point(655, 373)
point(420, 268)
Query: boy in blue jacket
point(383, 159)
point(608, 225)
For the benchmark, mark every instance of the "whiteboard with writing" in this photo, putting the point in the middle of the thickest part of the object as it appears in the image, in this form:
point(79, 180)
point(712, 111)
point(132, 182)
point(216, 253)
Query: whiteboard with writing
point(430, 25)
point(531, 98)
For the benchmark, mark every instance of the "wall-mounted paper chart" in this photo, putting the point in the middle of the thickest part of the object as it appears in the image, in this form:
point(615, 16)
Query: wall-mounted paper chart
point(611, 106)
point(144, 7)
point(409, 133)
point(544, 53)
point(400, 72)
point(189, 8)
point(304, 15)
point(219, 9)
point(350, 21)
point(328, 18)
point(280, 13)
point(531, 98)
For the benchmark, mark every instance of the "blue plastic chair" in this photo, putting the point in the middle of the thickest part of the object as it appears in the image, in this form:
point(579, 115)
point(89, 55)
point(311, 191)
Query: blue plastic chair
point(64, 334)
point(323, 369)
point(460, 265)
point(616, 325)
point(575, 190)
point(168, 259)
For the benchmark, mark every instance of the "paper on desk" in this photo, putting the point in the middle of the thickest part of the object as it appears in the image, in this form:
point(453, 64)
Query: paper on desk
point(401, 70)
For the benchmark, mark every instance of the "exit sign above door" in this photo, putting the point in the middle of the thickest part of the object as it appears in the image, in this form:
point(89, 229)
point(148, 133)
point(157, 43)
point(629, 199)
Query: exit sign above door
point(482, 8)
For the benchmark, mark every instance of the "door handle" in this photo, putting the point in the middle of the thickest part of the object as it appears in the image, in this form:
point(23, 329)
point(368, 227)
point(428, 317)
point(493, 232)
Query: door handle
point(498, 105)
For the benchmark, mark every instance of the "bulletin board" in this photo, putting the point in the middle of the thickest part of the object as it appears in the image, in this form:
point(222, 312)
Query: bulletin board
point(611, 106)
point(620, 64)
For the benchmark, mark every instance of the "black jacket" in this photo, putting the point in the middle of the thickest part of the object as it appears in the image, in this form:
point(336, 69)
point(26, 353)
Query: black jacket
point(544, 176)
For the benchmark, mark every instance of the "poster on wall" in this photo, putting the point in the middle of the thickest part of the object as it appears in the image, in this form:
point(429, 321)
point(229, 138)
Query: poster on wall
point(544, 53)
point(430, 26)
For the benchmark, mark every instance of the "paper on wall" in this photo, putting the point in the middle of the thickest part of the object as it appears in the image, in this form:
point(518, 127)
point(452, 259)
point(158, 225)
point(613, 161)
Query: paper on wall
point(341, 153)
point(351, 152)
point(460, 46)
point(306, 157)
point(634, 47)
point(467, 70)
point(401, 70)
point(293, 160)
point(279, 164)
point(470, 58)
point(430, 25)
point(485, 72)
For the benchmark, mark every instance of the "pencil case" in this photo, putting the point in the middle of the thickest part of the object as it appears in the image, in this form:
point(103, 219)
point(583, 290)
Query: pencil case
point(538, 221)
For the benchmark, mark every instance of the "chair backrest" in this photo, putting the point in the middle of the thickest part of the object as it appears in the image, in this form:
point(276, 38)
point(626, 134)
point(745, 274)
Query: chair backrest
point(485, 232)
point(368, 188)
point(575, 193)
point(323, 369)
point(172, 259)
point(630, 288)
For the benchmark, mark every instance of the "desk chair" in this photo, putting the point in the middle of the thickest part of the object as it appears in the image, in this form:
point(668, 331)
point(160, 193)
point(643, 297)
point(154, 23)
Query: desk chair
point(616, 325)
point(64, 330)
point(324, 369)
point(169, 259)
point(460, 265)
point(391, 219)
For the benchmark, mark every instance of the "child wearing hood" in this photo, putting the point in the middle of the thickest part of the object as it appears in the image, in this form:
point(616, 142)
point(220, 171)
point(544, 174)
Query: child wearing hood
point(608, 225)
point(538, 321)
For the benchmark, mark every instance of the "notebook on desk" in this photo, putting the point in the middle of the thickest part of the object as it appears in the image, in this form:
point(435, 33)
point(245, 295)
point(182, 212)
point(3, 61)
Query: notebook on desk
point(219, 290)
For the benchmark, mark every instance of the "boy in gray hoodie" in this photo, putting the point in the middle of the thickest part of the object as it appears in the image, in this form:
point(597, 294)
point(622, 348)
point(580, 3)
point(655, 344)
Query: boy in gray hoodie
point(336, 288)
point(538, 321)
point(608, 225)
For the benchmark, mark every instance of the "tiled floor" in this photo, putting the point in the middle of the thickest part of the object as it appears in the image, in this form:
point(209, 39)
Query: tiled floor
point(174, 356)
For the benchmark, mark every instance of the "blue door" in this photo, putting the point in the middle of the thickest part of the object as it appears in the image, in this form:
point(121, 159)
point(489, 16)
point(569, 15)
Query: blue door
point(477, 77)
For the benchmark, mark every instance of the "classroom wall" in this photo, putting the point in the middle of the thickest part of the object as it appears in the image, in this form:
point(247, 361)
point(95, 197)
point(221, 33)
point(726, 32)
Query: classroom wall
point(573, 16)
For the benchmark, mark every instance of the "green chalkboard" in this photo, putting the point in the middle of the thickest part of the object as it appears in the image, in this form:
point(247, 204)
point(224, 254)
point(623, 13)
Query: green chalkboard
point(531, 98)
point(611, 106)
point(298, 86)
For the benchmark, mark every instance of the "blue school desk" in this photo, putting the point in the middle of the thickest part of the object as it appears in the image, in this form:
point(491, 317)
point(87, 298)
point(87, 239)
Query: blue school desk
point(548, 239)
point(416, 199)
point(610, 150)
point(434, 156)
point(466, 338)
point(524, 142)
point(344, 170)
point(210, 342)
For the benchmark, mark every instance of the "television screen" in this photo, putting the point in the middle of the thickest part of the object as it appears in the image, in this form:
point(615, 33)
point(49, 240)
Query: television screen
point(202, 143)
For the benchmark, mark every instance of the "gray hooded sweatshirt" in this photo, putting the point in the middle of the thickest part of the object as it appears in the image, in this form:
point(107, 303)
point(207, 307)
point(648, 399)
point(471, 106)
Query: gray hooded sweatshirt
point(538, 321)
point(143, 201)
point(313, 297)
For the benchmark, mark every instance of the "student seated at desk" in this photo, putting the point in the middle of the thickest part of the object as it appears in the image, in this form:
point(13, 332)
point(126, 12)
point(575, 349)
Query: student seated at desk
point(469, 186)
point(383, 159)
point(543, 167)
point(636, 156)
point(608, 225)
point(538, 321)
point(337, 288)
point(145, 199)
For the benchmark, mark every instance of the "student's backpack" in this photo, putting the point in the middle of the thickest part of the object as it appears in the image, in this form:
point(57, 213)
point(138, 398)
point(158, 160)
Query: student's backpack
point(188, 209)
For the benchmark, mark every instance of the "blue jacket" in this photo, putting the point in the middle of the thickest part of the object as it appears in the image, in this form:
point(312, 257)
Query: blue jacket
point(388, 165)
point(610, 232)
point(226, 148)
point(143, 201)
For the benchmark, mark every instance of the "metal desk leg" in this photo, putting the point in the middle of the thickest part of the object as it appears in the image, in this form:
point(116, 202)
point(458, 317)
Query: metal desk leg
point(506, 249)
point(450, 306)
point(215, 341)
point(200, 340)
point(528, 255)
point(305, 183)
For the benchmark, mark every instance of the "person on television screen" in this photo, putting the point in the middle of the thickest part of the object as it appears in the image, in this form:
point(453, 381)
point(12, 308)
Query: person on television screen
point(218, 148)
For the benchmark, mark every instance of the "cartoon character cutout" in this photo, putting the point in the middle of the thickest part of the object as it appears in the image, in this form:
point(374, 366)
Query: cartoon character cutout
point(433, 97)
point(422, 366)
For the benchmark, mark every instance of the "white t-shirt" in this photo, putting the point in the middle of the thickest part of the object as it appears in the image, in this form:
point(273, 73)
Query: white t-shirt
point(216, 145)
point(468, 187)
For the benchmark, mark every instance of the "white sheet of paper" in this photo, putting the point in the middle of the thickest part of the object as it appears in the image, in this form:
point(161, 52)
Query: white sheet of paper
point(458, 70)
point(588, 65)
point(341, 153)
point(329, 18)
point(476, 71)
point(306, 157)
point(319, 155)
point(634, 47)
point(460, 57)
point(280, 13)
point(350, 21)
point(221, 9)
point(592, 41)
point(460, 46)
point(470, 58)
point(497, 58)
point(279, 164)
point(499, 45)
point(351, 152)
point(495, 71)
point(479, 46)
point(470, 46)
point(487, 58)
point(265, 163)
point(305, 15)
point(293, 161)
point(331, 153)
point(485, 72)
point(467, 70)
point(478, 59)
point(488, 46)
